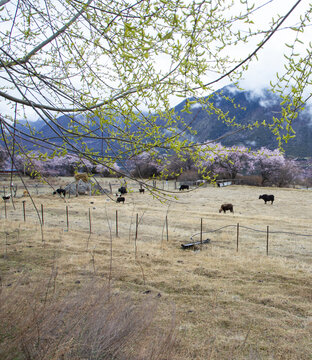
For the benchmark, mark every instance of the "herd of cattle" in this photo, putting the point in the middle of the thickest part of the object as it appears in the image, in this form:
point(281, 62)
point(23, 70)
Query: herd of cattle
point(226, 207)
point(123, 190)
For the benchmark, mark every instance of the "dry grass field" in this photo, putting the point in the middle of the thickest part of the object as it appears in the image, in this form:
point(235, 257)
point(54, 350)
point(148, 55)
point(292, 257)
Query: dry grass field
point(213, 302)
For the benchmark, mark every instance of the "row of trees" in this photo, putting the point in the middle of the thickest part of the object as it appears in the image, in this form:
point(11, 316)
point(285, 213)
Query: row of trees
point(36, 165)
point(217, 161)
point(210, 162)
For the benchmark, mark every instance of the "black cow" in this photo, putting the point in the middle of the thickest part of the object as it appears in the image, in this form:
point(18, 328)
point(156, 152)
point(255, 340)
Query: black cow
point(225, 207)
point(184, 187)
point(122, 190)
point(120, 199)
point(141, 191)
point(60, 192)
point(266, 198)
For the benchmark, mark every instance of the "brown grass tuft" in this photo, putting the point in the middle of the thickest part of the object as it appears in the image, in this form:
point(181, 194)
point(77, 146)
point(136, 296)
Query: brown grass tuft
point(88, 323)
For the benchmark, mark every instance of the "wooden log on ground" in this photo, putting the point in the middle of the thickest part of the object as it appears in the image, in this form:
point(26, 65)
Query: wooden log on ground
point(192, 244)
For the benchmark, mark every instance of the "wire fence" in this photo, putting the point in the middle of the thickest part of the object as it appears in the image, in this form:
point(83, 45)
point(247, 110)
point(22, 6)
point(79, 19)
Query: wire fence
point(156, 225)
point(249, 228)
point(238, 237)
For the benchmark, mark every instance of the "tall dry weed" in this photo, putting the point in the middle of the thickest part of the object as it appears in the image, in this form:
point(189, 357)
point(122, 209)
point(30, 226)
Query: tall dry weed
point(89, 323)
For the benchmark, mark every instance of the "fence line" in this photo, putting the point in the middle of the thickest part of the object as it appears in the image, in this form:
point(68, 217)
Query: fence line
point(194, 235)
point(300, 248)
point(249, 228)
point(267, 231)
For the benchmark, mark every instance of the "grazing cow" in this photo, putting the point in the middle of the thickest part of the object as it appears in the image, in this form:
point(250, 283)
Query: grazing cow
point(225, 207)
point(184, 187)
point(6, 197)
point(266, 198)
point(141, 191)
point(120, 199)
point(122, 190)
point(60, 192)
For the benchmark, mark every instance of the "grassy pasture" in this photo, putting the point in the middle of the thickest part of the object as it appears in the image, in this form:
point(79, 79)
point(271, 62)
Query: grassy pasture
point(225, 304)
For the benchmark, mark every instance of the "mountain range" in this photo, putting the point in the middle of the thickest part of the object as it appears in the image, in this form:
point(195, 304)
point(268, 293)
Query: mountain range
point(245, 107)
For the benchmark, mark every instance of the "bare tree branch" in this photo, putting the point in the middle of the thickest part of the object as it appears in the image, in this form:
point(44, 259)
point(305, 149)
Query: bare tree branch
point(48, 40)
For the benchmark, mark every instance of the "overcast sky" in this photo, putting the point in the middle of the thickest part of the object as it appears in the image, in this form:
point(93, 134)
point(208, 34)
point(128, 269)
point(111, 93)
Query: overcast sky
point(271, 58)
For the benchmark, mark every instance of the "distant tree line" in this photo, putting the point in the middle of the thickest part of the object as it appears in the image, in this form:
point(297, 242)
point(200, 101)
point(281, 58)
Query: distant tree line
point(36, 164)
point(263, 167)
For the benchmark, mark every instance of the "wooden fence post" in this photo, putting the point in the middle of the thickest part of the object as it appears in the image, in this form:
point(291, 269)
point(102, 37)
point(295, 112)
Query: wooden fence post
point(24, 210)
point(201, 231)
point(42, 218)
point(136, 226)
point(90, 224)
point(136, 234)
point(237, 236)
point(167, 227)
point(267, 241)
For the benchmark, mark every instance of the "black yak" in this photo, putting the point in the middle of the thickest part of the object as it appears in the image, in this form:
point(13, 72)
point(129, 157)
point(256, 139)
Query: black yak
point(184, 187)
point(60, 192)
point(266, 198)
point(120, 199)
point(225, 207)
point(122, 190)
